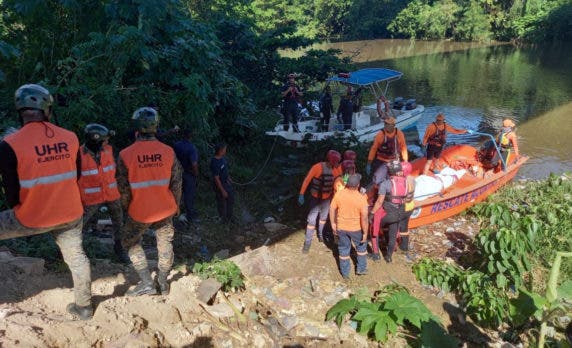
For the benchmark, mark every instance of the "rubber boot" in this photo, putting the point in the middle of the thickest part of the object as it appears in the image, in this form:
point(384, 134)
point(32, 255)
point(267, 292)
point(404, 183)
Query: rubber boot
point(306, 248)
point(163, 283)
point(145, 286)
point(83, 313)
point(120, 253)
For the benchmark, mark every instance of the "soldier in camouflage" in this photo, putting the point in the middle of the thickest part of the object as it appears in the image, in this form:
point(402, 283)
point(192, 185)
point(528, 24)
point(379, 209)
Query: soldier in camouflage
point(149, 178)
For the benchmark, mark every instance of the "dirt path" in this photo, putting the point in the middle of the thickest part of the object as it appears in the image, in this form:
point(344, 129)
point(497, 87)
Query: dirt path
point(285, 302)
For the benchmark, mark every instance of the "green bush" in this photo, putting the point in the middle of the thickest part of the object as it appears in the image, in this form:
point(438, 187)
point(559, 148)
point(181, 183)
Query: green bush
point(225, 272)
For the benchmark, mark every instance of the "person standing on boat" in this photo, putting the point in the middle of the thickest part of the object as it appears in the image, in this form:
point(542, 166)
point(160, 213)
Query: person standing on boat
point(346, 109)
point(507, 141)
point(349, 221)
point(435, 138)
point(393, 194)
point(290, 94)
point(320, 180)
point(388, 145)
point(383, 107)
point(326, 108)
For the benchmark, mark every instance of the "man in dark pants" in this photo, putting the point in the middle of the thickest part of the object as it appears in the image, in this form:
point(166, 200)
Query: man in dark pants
point(39, 176)
point(188, 156)
point(149, 178)
point(290, 94)
point(222, 184)
point(326, 108)
point(346, 109)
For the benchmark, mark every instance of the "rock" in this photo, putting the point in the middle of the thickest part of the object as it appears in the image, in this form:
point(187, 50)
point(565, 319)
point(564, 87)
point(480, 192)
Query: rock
point(222, 254)
point(255, 262)
point(269, 219)
point(221, 310)
point(207, 290)
point(202, 330)
point(274, 226)
point(450, 230)
point(438, 234)
point(29, 265)
point(288, 321)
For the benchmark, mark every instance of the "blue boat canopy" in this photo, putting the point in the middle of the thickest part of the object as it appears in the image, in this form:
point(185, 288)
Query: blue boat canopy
point(365, 77)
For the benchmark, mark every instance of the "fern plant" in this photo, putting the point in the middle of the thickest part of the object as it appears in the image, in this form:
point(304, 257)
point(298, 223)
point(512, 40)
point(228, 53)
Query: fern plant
point(225, 272)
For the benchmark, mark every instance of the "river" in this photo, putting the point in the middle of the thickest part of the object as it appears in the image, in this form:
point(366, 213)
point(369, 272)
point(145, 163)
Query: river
point(477, 85)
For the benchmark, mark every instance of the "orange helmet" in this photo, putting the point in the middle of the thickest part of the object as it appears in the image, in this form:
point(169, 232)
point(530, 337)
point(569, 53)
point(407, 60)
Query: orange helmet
point(350, 155)
point(390, 120)
point(349, 167)
point(333, 157)
point(507, 122)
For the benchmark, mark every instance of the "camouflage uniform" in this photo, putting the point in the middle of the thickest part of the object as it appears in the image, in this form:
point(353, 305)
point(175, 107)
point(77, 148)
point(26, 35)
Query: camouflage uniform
point(69, 239)
point(115, 212)
point(133, 231)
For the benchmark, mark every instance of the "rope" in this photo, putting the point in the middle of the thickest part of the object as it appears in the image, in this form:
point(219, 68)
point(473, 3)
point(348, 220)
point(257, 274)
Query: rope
point(261, 169)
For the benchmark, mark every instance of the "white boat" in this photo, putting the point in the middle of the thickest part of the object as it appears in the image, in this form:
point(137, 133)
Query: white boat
point(366, 122)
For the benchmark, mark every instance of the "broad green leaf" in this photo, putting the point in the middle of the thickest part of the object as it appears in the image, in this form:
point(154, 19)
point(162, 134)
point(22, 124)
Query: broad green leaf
point(381, 331)
point(434, 335)
point(527, 304)
point(407, 307)
point(565, 290)
point(340, 309)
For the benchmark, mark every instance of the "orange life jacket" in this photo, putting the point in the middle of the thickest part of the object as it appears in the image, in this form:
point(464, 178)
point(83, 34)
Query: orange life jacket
point(387, 150)
point(97, 182)
point(439, 137)
point(322, 186)
point(49, 194)
point(149, 164)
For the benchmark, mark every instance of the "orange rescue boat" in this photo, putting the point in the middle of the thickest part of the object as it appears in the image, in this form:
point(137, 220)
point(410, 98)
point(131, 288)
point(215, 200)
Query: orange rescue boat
point(480, 180)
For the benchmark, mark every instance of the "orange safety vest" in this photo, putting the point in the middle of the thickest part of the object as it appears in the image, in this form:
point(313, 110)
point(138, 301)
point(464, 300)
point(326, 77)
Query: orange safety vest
point(387, 150)
point(49, 194)
point(149, 165)
point(97, 182)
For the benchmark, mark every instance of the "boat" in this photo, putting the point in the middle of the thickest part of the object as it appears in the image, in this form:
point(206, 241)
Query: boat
point(366, 122)
point(480, 180)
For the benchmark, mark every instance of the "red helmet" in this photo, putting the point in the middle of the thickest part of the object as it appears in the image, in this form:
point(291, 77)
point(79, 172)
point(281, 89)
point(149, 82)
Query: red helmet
point(407, 168)
point(349, 167)
point(350, 155)
point(333, 157)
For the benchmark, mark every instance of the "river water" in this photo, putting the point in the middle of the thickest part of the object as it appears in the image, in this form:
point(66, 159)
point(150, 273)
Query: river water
point(477, 85)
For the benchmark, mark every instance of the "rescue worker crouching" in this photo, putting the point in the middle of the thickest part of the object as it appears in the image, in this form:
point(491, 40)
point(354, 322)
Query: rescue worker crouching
point(388, 145)
point(150, 183)
point(393, 193)
point(39, 175)
point(435, 138)
point(349, 220)
point(97, 182)
point(320, 179)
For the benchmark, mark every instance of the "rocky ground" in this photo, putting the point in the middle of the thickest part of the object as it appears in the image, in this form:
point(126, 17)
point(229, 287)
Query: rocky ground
point(284, 304)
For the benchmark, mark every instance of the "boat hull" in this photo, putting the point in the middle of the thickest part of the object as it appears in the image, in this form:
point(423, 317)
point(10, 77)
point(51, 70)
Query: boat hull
point(460, 197)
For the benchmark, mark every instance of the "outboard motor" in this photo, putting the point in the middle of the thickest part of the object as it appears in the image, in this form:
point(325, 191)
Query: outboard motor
point(410, 104)
point(398, 103)
point(488, 155)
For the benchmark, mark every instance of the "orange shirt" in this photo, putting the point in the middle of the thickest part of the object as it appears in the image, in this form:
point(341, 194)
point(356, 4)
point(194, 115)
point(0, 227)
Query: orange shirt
point(433, 127)
point(379, 139)
point(348, 206)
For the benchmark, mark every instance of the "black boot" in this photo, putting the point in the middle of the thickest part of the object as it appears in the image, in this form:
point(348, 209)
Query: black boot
point(120, 253)
point(144, 287)
point(83, 313)
point(163, 283)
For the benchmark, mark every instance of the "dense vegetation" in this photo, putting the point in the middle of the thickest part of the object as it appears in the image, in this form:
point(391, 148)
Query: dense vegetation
point(524, 233)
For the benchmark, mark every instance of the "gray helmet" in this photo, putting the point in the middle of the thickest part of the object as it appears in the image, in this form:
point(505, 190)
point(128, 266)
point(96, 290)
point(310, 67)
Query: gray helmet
point(96, 133)
point(33, 97)
point(394, 167)
point(146, 120)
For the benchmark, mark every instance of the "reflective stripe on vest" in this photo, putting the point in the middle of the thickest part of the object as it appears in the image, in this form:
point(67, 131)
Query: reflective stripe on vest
point(46, 165)
point(149, 166)
point(388, 148)
point(97, 181)
point(322, 186)
point(44, 180)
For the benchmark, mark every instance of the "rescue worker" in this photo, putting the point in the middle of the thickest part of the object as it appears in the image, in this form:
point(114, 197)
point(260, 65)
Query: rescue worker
point(39, 176)
point(150, 180)
point(350, 155)
point(409, 205)
point(388, 145)
point(320, 181)
point(349, 220)
point(290, 95)
point(393, 193)
point(222, 185)
point(326, 107)
point(435, 138)
point(507, 141)
point(97, 183)
point(346, 109)
point(188, 156)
